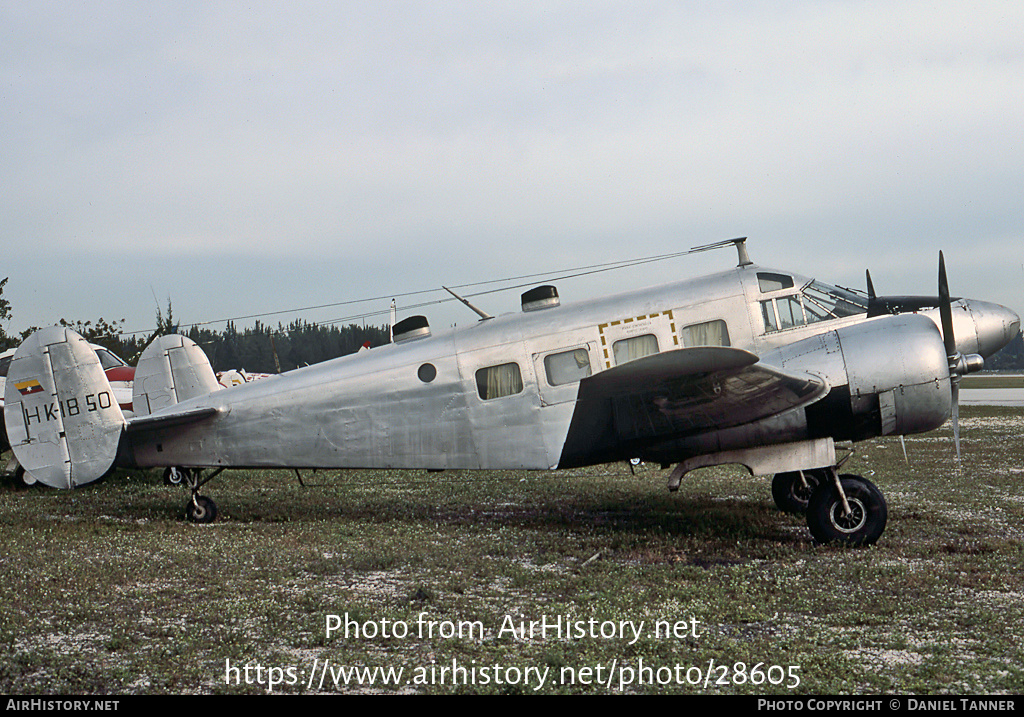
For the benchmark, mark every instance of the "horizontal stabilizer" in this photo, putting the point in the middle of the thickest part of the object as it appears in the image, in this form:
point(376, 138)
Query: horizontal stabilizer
point(172, 369)
point(170, 419)
point(63, 421)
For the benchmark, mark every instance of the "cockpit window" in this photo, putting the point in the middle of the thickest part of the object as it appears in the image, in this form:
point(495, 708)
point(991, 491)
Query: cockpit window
point(773, 282)
point(831, 302)
point(815, 302)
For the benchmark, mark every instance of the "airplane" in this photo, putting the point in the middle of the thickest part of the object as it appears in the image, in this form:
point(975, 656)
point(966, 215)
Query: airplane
point(753, 366)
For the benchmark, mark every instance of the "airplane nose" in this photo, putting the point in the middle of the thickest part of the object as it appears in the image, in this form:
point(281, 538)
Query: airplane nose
point(995, 325)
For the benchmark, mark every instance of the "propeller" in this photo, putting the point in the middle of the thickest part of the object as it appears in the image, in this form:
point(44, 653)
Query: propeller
point(959, 364)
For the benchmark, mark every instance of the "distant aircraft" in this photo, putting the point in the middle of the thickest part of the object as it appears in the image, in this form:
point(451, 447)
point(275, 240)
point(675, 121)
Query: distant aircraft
point(753, 366)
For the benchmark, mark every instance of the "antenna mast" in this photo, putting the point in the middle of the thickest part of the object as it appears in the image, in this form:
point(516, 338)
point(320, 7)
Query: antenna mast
point(741, 249)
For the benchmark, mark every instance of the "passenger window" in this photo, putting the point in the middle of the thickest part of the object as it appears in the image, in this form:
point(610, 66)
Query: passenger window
point(633, 348)
point(499, 381)
point(709, 333)
point(567, 366)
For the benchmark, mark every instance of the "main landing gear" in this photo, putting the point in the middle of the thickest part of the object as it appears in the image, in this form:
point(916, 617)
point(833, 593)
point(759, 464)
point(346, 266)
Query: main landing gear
point(793, 490)
point(839, 508)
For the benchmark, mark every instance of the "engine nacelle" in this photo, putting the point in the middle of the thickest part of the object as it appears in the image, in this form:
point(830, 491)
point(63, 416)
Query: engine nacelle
point(889, 376)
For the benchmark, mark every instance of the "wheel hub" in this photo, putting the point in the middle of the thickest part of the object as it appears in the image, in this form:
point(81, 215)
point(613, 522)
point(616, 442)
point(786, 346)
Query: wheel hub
point(848, 523)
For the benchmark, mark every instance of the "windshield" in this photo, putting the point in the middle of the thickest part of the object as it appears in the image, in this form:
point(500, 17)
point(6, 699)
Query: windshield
point(815, 302)
point(108, 359)
point(822, 302)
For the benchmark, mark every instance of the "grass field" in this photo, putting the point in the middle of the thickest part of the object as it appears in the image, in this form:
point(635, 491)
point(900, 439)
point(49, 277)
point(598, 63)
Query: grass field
point(107, 590)
point(993, 380)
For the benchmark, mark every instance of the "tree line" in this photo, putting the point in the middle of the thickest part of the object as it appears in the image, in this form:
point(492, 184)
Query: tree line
point(258, 349)
point(266, 349)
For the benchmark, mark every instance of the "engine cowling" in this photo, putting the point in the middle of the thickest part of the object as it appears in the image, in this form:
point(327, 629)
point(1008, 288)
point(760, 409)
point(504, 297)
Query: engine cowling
point(889, 376)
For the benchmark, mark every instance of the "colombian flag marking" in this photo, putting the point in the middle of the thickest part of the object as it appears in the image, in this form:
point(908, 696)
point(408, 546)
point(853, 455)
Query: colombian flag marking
point(28, 387)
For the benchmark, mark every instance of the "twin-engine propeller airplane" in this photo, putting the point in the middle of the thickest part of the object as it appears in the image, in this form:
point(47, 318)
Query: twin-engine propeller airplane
point(755, 366)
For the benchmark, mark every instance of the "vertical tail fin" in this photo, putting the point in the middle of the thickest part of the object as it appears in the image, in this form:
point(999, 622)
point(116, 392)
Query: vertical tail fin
point(63, 422)
point(172, 369)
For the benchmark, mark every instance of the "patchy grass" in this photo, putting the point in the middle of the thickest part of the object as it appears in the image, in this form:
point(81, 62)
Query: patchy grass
point(107, 590)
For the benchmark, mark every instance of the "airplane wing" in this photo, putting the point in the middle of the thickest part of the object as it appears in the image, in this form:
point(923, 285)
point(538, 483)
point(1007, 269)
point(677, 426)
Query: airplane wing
point(680, 393)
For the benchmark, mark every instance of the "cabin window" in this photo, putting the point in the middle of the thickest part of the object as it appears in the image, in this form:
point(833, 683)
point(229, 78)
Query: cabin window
point(709, 333)
point(634, 347)
point(567, 366)
point(5, 365)
point(498, 381)
point(774, 282)
point(427, 372)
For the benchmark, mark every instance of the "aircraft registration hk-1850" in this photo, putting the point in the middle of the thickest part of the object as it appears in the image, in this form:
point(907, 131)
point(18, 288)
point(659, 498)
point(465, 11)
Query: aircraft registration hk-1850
point(753, 366)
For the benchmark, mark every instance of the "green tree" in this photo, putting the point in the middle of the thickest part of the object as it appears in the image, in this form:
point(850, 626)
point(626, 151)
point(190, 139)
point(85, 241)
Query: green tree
point(102, 333)
point(6, 341)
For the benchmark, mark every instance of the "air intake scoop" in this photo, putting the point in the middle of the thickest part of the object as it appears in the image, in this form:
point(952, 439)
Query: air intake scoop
point(414, 327)
point(543, 297)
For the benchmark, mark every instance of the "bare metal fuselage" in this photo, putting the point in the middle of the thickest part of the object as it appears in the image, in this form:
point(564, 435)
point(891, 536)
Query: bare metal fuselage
point(419, 403)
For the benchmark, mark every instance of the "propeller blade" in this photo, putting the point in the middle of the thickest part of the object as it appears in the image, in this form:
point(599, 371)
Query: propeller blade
point(956, 417)
point(946, 310)
point(871, 287)
point(946, 316)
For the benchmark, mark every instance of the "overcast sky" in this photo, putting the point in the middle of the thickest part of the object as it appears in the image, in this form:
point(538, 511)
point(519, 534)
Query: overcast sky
point(244, 158)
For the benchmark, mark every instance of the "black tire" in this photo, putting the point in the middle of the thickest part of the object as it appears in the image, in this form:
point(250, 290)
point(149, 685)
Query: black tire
point(201, 510)
point(863, 526)
point(790, 495)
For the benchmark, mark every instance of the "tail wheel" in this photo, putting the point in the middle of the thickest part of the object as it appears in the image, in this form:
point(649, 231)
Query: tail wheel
point(865, 522)
point(23, 476)
point(791, 494)
point(201, 509)
point(175, 475)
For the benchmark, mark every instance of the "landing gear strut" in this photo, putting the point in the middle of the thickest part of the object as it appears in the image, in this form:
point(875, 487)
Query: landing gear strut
point(199, 508)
